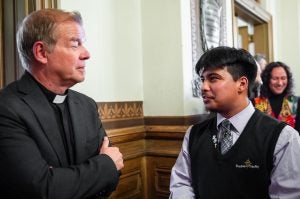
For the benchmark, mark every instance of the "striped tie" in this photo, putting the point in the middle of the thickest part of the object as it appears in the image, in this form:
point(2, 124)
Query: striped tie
point(226, 136)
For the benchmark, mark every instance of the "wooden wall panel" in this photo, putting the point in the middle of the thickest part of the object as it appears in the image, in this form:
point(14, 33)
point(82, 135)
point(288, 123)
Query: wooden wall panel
point(124, 124)
point(158, 172)
point(130, 185)
point(150, 146)
point(163, 143)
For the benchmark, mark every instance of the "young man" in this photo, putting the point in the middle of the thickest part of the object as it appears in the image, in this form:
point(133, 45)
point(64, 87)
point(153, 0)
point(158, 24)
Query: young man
point(52, 143)
point(254, 156)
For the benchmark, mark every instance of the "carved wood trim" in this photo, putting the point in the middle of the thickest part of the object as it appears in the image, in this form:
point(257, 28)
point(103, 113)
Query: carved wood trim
point(121, 114)
point(120, 110)
point(150, 146)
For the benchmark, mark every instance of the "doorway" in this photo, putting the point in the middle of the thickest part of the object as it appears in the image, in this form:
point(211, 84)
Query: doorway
point(252, 27)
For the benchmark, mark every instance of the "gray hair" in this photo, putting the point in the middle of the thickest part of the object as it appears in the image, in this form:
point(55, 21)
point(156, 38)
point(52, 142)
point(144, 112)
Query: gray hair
point(40, 26)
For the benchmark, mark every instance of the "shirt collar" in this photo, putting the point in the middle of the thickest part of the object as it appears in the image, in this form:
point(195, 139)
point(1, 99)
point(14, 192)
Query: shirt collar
point(52, 97)
point(239, 120)
point(58, 99)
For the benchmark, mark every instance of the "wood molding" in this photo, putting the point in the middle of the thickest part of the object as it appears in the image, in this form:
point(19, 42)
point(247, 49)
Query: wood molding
point(120, 110)
point(252, 9)
point(122, 123)
point(116, 115)
point(139, 136)
point(121, 114)
point(165, 132)
point(174, 120)
point(150, 146)
point(163, 148)
point(126, 134)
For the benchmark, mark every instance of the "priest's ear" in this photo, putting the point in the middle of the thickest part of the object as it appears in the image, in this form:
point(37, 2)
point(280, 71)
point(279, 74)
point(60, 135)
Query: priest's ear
point(40, 50)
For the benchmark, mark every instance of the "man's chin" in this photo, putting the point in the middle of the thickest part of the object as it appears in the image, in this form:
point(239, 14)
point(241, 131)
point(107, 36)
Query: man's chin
point(80, 79)
point(211, 109)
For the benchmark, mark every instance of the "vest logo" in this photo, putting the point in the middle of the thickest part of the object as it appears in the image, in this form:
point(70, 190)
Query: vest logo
point(247, 165)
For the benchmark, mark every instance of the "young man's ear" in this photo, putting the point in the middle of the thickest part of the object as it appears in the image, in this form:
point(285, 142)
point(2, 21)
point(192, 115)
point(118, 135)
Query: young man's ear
point(40, 52)
point(243, 84)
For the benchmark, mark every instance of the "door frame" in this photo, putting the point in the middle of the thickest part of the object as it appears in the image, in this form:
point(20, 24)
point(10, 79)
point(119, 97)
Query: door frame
point(254, 13)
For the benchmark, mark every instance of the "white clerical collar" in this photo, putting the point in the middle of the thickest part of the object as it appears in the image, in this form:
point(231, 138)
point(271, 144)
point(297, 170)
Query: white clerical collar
point(58, 99)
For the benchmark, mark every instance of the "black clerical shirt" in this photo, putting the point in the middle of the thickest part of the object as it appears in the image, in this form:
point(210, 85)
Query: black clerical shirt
point(59, 103)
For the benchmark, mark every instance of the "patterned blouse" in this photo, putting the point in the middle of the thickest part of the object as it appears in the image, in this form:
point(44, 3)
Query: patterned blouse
point(288, 111)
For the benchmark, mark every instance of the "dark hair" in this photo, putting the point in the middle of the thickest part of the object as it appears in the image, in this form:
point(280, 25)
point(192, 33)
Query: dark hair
point(239, 62)
point(266, 76)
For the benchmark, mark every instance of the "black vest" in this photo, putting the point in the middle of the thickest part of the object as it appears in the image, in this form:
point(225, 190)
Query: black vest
point(244, 171)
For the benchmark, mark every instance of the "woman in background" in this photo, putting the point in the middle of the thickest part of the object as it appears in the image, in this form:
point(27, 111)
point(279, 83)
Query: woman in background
point(276, 97)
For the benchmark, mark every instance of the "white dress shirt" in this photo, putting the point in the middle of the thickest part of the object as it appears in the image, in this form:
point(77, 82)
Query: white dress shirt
point(285, 176)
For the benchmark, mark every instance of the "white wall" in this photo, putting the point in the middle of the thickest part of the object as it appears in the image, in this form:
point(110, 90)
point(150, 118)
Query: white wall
point(162, 59)
point(113, 29)
point(191, 104)
point(286, 34)
point(141, 50)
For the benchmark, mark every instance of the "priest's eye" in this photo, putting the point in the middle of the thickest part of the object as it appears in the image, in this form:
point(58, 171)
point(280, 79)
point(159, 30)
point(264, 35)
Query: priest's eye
point(75, 43)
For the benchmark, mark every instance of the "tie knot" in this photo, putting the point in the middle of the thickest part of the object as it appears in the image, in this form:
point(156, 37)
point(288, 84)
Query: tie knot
point(226, 124)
